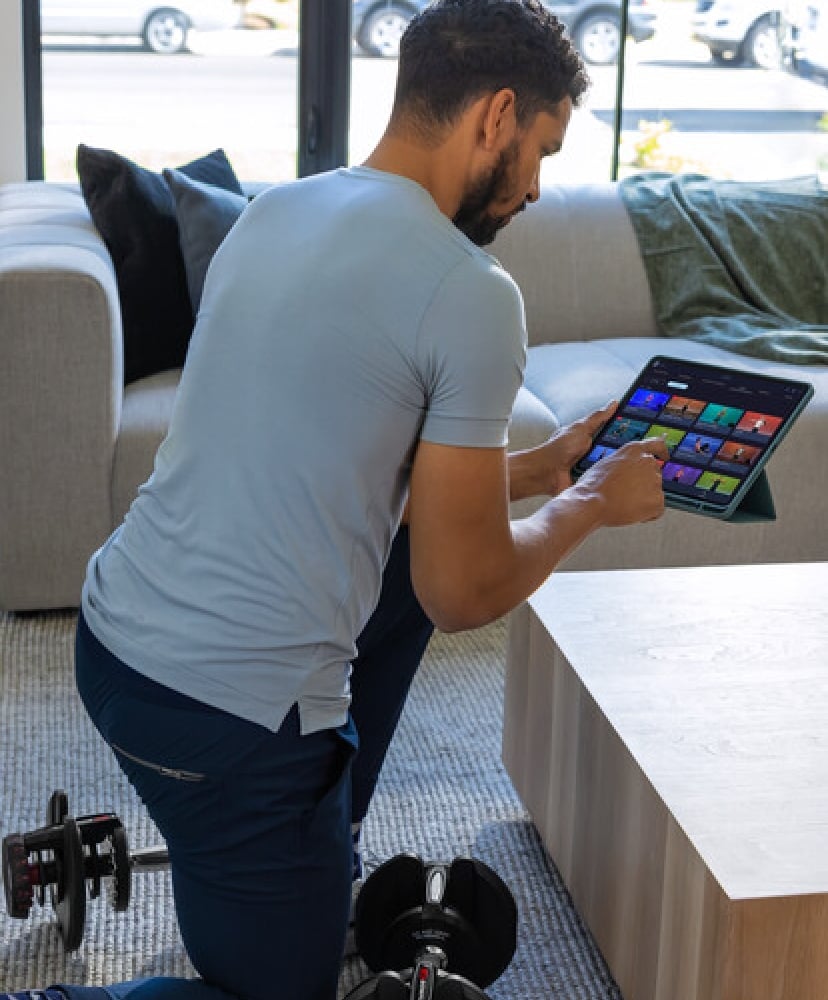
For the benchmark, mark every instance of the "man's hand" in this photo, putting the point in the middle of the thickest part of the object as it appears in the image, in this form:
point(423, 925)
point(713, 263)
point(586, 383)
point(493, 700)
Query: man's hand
point(628, 482)
point(547, 469)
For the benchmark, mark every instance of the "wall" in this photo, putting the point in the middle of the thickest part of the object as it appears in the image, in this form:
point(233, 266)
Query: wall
point(12, 111)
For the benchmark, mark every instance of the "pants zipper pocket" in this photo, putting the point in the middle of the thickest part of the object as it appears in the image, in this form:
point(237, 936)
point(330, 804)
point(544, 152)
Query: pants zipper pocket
point(167, 772)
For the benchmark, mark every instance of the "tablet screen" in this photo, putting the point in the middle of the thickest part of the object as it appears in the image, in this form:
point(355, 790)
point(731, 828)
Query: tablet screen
point(719, 424)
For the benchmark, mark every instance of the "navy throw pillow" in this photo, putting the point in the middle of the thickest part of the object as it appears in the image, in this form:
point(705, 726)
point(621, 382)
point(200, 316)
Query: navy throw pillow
point(205, 215)
point(134, 212)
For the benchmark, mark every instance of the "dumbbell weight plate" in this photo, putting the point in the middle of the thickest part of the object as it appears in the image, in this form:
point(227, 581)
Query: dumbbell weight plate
point(474, 922)
point(385, 986)
point(16, 878)
point(69, 896)
point(121, 870)
point(57, 809)
point(450, 987)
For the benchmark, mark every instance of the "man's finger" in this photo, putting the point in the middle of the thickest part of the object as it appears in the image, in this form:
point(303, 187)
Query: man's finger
point(597, 418)
point(655, 446)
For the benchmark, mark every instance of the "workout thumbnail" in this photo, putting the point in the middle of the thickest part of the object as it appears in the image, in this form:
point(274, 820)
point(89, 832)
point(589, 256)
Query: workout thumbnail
point(598, 453)
point(761, 424)
point(739, 454)
point(686, 475)
point(682, 408)
point(718, 417)
point(647, 402)
point(698, 446)
point(670, 435)
point(623, 429)
point(714, 483)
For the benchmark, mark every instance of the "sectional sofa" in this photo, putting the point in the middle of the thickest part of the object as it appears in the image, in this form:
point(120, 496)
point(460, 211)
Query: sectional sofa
point(75, 443)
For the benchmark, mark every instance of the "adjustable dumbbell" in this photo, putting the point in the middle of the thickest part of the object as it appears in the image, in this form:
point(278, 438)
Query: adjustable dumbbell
point(66, 855)
point(433, 931)
point(429, 932)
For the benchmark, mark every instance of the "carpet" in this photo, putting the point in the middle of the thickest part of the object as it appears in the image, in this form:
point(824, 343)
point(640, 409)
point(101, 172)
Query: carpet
point(443, 792)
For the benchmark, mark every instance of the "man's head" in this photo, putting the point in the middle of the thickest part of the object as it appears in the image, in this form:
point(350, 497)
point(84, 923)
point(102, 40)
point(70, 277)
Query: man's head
point(455, 51)
point(515, 52)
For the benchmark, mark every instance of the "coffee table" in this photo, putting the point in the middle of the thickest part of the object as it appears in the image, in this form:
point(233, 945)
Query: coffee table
point(668, 732)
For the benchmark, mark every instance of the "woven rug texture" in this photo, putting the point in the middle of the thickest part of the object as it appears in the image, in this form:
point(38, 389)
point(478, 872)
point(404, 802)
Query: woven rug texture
point(443, 792)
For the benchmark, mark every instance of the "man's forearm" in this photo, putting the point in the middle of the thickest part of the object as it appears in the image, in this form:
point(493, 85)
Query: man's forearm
point(503, 575)
point(525, 474)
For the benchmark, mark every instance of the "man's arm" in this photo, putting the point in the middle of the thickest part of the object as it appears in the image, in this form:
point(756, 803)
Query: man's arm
point(470, 563)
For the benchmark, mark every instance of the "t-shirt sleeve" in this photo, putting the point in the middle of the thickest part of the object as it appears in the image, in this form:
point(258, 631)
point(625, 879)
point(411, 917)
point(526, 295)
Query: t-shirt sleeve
point(472, 348)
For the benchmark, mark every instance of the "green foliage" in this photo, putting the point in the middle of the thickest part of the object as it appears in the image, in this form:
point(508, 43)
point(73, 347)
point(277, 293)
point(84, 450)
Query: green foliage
point(647, 150)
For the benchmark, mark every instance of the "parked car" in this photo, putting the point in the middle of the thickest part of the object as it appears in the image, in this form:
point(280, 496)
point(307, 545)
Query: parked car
point(594, 25)
point(740, 31)
point(806, 40)
point(163, 27)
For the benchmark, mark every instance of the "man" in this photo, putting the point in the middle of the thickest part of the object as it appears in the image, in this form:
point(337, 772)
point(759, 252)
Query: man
point(356, 355)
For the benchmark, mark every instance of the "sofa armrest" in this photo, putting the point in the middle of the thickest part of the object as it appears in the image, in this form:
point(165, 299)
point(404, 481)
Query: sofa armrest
point(575, 256)
point(61, 379)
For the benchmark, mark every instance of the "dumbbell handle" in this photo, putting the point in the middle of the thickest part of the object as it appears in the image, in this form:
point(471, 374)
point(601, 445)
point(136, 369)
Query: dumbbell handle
point(149, 859)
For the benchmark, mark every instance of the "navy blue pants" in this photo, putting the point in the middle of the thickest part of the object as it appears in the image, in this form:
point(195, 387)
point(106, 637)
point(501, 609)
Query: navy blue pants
point(257, 823)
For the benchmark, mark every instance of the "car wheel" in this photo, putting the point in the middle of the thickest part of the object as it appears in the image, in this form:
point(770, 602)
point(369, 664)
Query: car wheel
point(382, 29)
point(166, 32)
point(598, 39)
point(762, 46)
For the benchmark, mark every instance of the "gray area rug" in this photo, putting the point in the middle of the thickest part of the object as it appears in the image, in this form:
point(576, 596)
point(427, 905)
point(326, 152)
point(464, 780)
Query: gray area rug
point(443, 792)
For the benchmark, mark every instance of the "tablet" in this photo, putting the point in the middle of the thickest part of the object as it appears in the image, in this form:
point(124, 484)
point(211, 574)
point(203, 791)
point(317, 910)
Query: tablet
point(721, 426)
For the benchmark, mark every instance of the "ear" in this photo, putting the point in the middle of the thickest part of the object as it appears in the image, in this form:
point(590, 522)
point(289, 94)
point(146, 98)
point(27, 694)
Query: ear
point(499, 120)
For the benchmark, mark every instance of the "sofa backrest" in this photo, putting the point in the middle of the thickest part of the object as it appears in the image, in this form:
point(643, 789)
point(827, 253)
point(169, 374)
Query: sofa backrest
point(575, 256)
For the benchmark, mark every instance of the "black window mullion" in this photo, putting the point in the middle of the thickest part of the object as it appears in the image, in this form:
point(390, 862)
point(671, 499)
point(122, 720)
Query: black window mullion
point(324, 84)
point(32, 89)
point(619, 91)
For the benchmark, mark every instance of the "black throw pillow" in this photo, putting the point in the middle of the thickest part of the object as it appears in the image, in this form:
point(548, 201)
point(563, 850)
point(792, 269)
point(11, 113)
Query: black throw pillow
point(133, 210)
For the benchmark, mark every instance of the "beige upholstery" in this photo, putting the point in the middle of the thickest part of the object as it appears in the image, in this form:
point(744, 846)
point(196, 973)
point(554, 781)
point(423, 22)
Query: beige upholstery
point(74, 446)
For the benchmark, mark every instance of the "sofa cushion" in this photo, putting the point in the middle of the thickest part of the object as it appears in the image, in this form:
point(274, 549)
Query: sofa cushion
point(205, 215)
point(145, 417)
point(133, 210)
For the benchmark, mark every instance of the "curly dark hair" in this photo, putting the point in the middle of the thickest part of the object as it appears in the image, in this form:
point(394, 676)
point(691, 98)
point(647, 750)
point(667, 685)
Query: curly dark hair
point(455, 51)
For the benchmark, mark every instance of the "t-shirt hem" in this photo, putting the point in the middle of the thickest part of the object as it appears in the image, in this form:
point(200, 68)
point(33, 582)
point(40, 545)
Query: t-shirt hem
point(471, 433)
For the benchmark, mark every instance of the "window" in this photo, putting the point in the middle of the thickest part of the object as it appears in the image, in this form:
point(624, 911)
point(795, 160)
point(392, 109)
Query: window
point(163, 89)
point(717, 92)
point(715, 86)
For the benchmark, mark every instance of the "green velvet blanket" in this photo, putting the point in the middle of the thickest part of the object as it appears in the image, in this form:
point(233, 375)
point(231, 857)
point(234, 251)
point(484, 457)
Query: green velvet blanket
point(738, 264)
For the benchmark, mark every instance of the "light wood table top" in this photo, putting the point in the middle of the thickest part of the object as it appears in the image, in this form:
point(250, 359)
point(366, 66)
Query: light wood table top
point(716, 679)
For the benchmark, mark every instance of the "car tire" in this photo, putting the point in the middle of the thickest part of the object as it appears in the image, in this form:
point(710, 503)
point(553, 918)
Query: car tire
point(382, 29)
point(598, 39)
point(761, 46)
point(166, 32)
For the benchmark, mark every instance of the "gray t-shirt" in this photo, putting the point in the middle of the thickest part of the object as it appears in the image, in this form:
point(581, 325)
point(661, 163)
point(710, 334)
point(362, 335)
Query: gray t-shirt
point(343, 318)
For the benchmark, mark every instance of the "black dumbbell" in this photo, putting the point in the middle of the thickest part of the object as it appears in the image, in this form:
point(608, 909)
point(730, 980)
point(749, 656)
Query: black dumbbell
point(433, 931)
point(66, 855)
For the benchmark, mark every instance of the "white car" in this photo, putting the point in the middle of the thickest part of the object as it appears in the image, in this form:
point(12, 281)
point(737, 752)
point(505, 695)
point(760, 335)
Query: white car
point(740, 31)
point(809, 30)
point(163, 27)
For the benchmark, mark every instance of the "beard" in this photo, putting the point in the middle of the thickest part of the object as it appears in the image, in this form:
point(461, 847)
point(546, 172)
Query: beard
point(473, 217)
